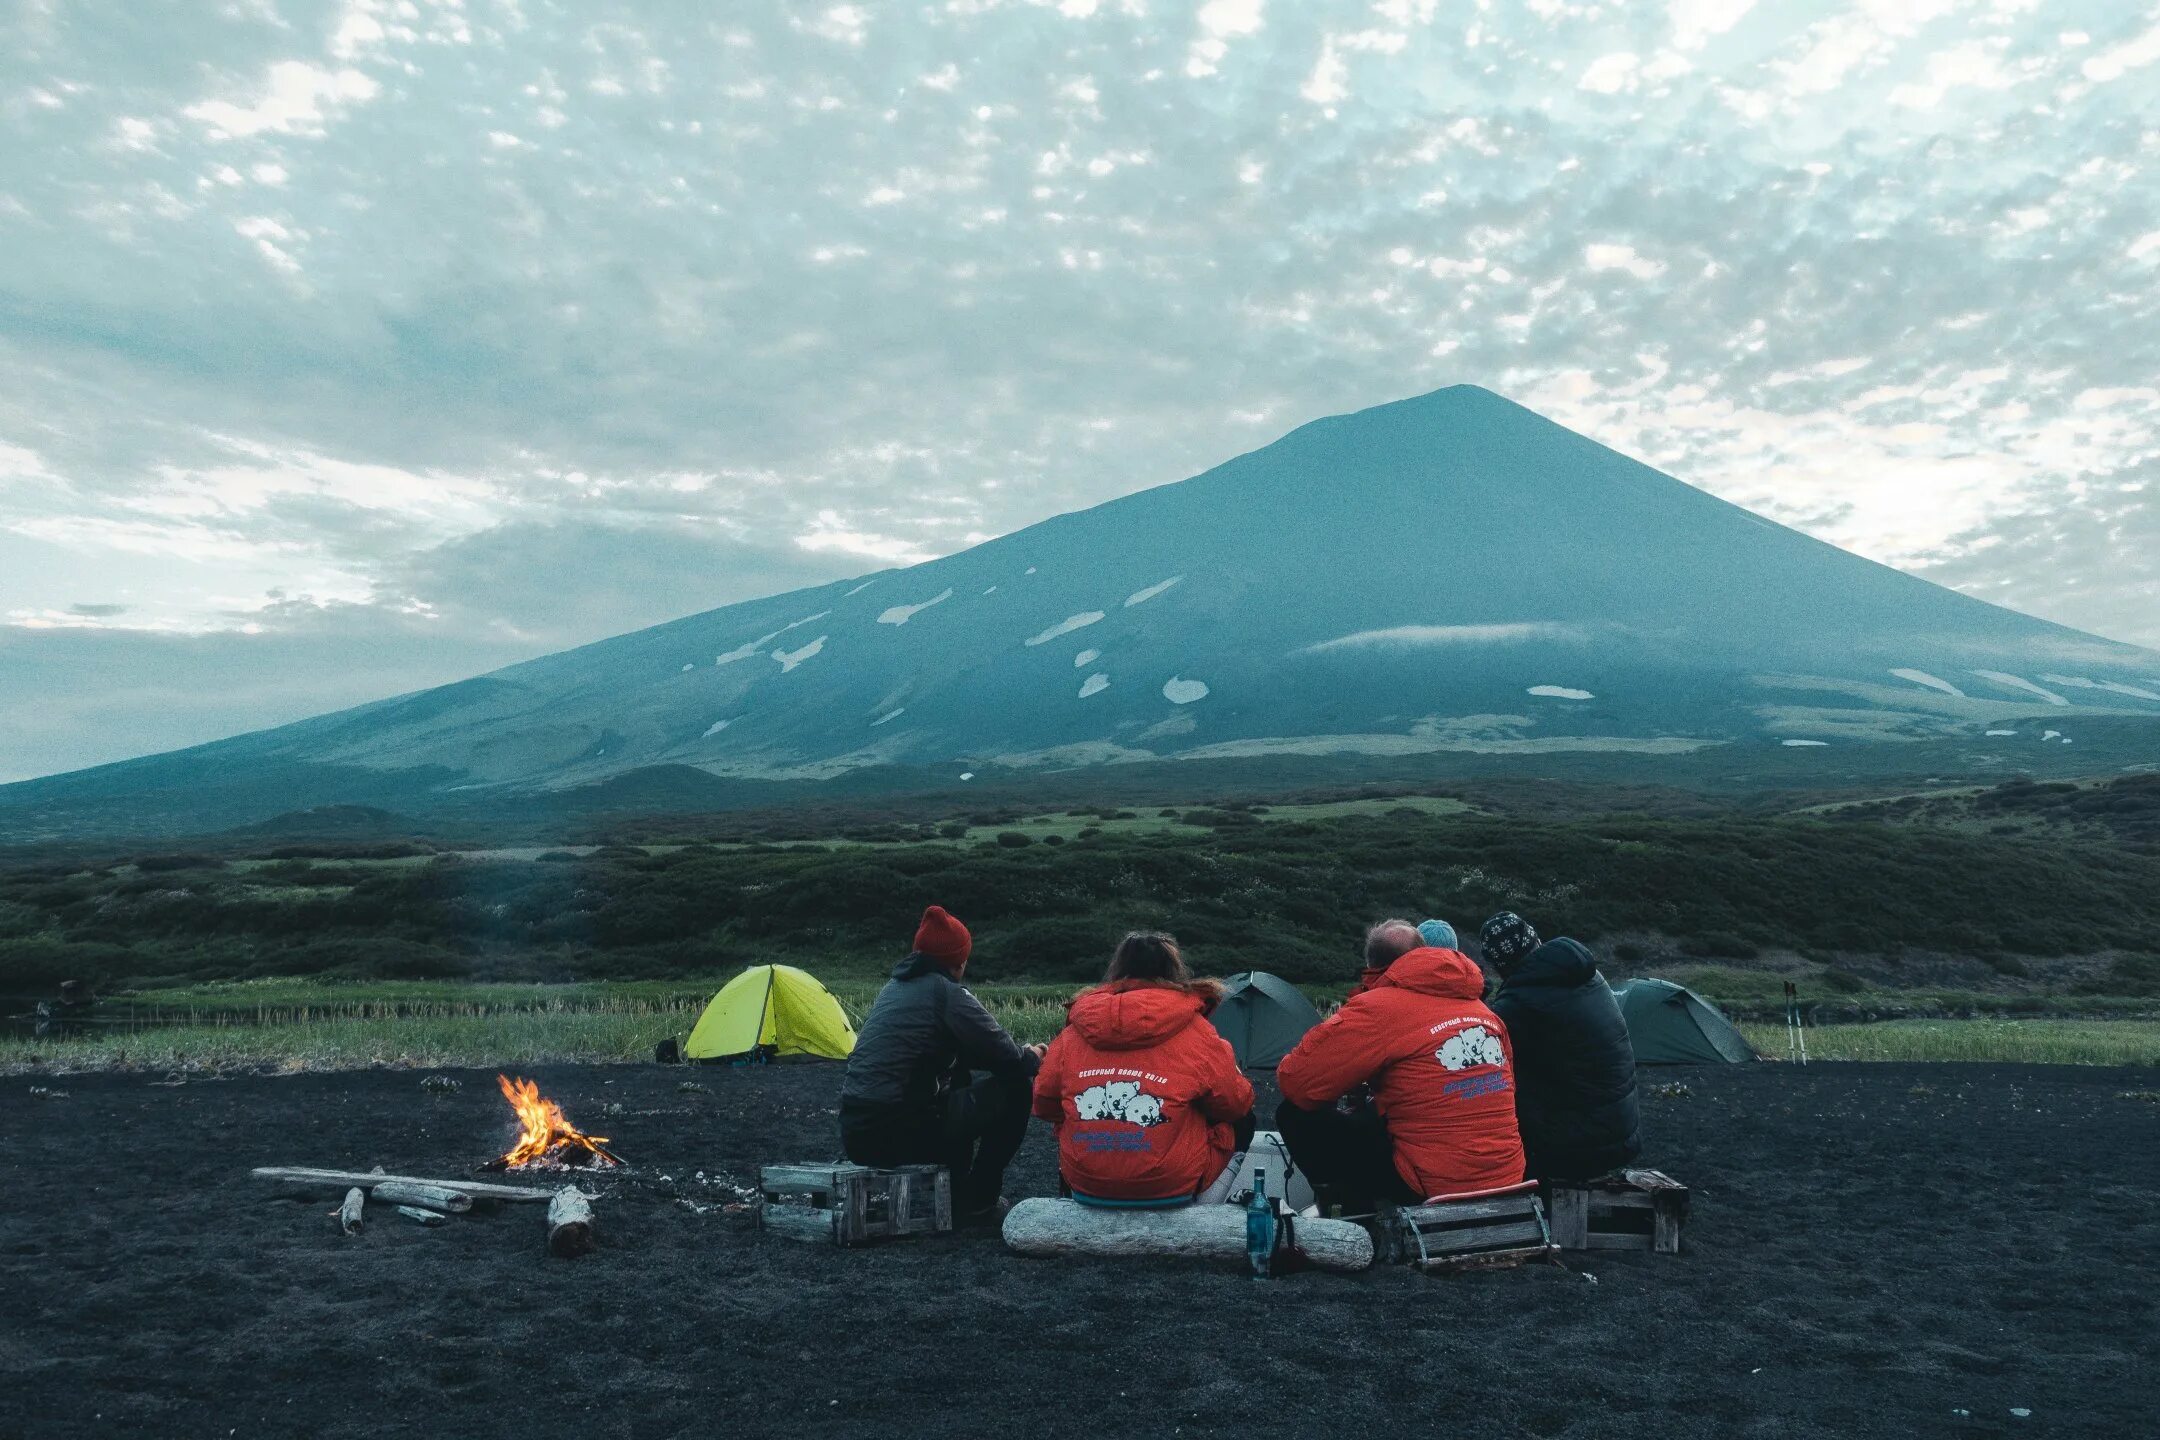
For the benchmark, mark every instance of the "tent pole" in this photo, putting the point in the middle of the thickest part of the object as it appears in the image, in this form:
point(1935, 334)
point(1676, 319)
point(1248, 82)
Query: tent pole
point(772, 977)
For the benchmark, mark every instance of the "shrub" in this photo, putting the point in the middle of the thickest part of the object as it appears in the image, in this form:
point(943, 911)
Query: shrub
point(1053, 839)
point(159, 864)
point(1014, 839)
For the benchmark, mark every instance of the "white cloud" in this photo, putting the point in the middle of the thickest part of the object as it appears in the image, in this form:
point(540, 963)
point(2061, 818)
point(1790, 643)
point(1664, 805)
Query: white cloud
point(1611, 74)
point(295, 98)
point(2119, 60)
point(1220, 22)
point(1609, 256)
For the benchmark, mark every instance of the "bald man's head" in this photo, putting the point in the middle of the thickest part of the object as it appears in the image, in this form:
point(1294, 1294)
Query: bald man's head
point(1389, 941)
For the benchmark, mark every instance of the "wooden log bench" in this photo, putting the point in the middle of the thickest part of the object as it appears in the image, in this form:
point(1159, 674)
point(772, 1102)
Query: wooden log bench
point(854, 1204)
point(1628, 1210)
point(1479, 1229)
point(1057, 1228)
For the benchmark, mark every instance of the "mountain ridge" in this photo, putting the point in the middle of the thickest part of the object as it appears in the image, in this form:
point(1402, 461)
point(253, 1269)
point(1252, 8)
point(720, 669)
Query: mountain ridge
point(1448, 573)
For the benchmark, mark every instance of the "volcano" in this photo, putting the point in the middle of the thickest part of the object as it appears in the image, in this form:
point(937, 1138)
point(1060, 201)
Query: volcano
point(1450, 574)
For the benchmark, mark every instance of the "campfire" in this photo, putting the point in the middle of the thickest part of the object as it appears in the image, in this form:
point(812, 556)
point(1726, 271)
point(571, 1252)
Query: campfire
point(546, 1136)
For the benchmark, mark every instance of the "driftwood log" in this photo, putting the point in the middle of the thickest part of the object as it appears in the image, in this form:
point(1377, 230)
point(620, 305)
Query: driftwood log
point(349, 1218)
point(424, 1217)
point(426, 1196)
point(570, 1222)
point(1207, 1232)
point(368, 1180)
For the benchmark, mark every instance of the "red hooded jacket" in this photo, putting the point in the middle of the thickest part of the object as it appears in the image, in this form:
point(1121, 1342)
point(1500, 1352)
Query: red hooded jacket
point(1442, 1069)
point(1143, 1093)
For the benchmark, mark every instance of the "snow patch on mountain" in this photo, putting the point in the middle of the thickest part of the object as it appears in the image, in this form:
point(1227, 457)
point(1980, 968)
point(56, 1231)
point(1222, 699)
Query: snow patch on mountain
point(715, 728)
point(2001, 732)
point(859, 589)
point(1094, 685)
point(2079, 682)
point(1933, 682)
point(1561, 692)
point(888, 715)
point(806, 620)
point(789, 659)
point(745, 651)
point(687, 668)
point(1184, 692)
point(1797, 744)
point(901, 614)
point(1408, 636)
point(2004, 677)
point(1141, 597)
point(1086, 658)
point(1066, 626)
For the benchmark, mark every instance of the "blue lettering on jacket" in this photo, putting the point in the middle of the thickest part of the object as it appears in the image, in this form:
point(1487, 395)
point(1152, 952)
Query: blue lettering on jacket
point(1472, 1086)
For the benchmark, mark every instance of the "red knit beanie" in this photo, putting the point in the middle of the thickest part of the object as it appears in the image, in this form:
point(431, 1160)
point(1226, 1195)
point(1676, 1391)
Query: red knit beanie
point(943, 938)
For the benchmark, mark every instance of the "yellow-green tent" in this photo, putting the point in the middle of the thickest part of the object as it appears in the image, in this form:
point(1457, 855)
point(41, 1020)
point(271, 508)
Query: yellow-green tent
point(771, 1011)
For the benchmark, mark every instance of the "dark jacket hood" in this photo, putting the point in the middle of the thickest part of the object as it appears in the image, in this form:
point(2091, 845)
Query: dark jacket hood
point(1556, 962)
point(917, 965)
point(1133, 1014)
point(1430, 970)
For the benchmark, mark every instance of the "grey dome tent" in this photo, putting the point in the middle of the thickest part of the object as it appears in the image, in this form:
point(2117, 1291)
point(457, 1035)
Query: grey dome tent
point(1671, 1025)
point(1263, 1017)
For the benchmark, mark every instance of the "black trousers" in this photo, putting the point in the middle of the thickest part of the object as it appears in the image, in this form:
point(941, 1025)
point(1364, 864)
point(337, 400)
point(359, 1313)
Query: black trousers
point(1347, 1155)
point(974, 1132)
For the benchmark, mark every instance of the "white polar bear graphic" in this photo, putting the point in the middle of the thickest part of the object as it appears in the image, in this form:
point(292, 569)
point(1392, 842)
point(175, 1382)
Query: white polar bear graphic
point(1119, 1100)
point(1144, 1110)
point(1474, 1045)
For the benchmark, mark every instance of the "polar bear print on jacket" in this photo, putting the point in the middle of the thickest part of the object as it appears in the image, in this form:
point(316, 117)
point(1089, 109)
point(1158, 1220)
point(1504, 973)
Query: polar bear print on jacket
point(1471, 1046)
point(1119, 1100)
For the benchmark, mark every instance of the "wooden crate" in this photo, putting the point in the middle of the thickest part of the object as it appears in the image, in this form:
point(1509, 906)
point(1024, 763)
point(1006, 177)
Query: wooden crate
point(1493, 1228)
point(853, 1204)
point(1633, 1210)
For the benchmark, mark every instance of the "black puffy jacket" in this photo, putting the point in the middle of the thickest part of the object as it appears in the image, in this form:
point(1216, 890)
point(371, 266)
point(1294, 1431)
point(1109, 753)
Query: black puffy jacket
point(923, 1036)
point(1574, 1065)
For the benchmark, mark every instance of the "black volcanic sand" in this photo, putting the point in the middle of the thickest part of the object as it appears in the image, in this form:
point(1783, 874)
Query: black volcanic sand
point(1875, 1250)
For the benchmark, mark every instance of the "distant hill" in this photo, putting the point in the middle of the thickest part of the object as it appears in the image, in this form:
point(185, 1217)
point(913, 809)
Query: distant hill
point(1451, 577)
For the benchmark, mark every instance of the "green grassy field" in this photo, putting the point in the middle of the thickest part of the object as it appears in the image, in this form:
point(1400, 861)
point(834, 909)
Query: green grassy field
point(303, 1025)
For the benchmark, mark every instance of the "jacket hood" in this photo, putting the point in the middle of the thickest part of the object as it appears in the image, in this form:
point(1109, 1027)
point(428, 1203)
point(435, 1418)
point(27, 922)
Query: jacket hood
point(1430, 970)
point(1133, 1014)
point(917, 964)
point(1556, 962)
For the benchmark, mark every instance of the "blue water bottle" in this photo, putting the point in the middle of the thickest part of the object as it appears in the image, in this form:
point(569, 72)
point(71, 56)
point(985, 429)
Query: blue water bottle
point(1260, 1226)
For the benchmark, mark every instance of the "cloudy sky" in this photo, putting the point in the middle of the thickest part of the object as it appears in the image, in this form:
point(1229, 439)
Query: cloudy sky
point(352, 347)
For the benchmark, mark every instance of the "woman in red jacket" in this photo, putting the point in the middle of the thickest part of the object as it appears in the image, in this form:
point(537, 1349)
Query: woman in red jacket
point(1147, 1099)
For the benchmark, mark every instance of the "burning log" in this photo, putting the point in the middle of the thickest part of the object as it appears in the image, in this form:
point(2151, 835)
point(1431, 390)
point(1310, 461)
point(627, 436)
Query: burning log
point(545, 1134)
point(570, 1222)
point(348, 1214)
point(423, 1217)
point(304, 1177)
point(447, 1199)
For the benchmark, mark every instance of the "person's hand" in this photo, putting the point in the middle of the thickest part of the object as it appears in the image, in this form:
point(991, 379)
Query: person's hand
point(1038, 1051)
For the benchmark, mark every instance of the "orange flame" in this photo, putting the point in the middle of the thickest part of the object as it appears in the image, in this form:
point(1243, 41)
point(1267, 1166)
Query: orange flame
point(546, 1135)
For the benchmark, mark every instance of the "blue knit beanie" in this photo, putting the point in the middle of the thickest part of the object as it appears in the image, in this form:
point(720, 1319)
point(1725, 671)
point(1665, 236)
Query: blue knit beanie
point(1439, 934)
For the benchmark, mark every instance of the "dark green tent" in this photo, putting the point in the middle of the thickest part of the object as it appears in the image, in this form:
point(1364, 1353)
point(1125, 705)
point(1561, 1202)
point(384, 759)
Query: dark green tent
point(1671, 1025)
point(1263, 1017)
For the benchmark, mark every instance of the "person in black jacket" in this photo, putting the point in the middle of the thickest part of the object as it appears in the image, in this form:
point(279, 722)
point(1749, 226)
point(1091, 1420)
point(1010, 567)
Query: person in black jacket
point(912, 1097)
point(1574, 1065)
